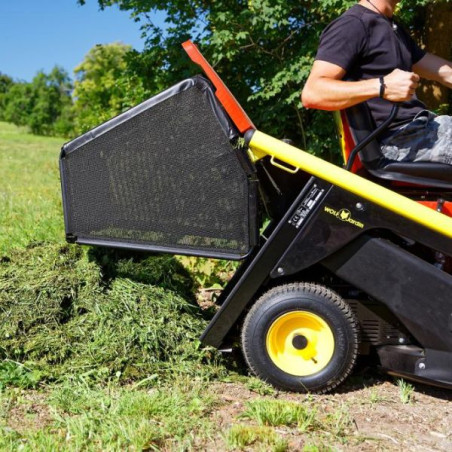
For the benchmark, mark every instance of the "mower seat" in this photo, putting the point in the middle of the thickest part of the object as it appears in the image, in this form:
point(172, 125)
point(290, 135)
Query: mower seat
point(361, 124)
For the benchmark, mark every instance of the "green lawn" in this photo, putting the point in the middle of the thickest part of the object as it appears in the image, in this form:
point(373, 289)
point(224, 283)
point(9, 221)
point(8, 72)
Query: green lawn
point(30, 200)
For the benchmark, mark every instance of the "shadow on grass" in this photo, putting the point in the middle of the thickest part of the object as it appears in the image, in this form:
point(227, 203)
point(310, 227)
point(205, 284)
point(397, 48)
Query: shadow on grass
point(164, 271)
point(369, 374)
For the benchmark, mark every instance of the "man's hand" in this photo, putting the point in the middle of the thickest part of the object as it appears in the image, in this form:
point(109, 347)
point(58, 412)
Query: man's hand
point(400, 85)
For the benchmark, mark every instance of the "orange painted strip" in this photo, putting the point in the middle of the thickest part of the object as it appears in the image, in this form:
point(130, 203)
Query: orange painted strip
point(227, 99)
point(348, 143)
point(446, 210)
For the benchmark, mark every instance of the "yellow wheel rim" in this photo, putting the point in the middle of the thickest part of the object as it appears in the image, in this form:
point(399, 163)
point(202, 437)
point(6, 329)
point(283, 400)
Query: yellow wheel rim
point(300, 343)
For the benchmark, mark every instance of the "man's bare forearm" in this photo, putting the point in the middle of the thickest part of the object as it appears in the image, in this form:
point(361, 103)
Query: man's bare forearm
point(435, 68)
point(325, 89)
point(329, 94)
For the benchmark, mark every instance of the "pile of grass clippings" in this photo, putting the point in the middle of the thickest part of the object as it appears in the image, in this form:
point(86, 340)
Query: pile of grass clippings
point(66, 310)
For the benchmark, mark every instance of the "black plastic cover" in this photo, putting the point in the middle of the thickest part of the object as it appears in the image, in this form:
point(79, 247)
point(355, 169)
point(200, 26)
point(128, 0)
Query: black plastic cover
point(162, 176)
point(416, 292)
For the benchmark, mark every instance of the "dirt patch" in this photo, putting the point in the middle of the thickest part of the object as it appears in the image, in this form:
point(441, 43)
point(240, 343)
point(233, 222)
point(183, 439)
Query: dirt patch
point(28, 411)
point(376, 417)
point(379, 420)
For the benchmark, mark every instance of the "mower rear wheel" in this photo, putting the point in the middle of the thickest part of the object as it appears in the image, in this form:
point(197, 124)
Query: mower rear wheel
point(301, 337)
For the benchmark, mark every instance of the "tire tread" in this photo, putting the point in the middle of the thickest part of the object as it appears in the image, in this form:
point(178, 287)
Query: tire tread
point(315, 289)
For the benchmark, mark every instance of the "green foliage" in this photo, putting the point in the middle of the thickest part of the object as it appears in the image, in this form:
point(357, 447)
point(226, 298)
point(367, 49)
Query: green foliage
point(104, 87)
point(18, 375)
point(5, 84)
point(18, 104)
point(262, 49)
point(44, 105)
point(209, 273)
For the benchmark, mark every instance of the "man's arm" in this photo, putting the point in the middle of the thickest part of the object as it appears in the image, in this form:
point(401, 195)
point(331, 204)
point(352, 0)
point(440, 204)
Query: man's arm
point(434, 68)
point(325, 89)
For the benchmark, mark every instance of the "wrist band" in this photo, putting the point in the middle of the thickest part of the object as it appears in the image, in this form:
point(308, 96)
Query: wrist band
point(382, 87)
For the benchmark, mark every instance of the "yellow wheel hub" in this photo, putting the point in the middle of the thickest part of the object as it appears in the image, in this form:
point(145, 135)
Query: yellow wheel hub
point(300, 343)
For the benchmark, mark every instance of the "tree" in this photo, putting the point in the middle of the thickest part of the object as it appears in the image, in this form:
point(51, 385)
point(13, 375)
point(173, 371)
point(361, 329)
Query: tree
point(51, 103)
point(104, 86)
point(263, 49)
point(18, 103)
point(5, 84)
point(43, 105)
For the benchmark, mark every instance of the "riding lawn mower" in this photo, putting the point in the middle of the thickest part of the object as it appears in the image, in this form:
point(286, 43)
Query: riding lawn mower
point(354, 260)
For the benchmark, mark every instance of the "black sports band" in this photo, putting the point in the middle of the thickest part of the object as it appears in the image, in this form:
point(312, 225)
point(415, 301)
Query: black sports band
point(382, 87)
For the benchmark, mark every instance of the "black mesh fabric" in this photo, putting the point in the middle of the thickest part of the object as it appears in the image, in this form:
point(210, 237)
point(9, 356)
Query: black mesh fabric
point(161, 175)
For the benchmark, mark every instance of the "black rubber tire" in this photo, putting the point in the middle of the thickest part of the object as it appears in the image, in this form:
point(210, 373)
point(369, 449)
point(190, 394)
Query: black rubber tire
point(322, 302)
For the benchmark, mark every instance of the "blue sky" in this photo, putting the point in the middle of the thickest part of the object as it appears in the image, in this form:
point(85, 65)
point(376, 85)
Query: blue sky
point(38, 34)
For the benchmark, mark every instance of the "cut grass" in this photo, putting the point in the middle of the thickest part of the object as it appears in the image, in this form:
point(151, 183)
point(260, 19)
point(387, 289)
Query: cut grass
point(61, 311)
point(67, 310)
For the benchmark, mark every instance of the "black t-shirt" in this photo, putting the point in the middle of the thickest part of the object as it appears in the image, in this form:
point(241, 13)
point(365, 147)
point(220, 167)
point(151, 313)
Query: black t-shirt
point(365, 44)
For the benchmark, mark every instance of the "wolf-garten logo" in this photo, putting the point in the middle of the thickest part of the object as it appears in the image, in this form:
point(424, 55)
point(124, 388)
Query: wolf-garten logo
point(344, 215)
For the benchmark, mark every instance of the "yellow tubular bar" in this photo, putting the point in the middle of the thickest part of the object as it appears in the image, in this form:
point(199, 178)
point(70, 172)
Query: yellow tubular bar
point(262, 144)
